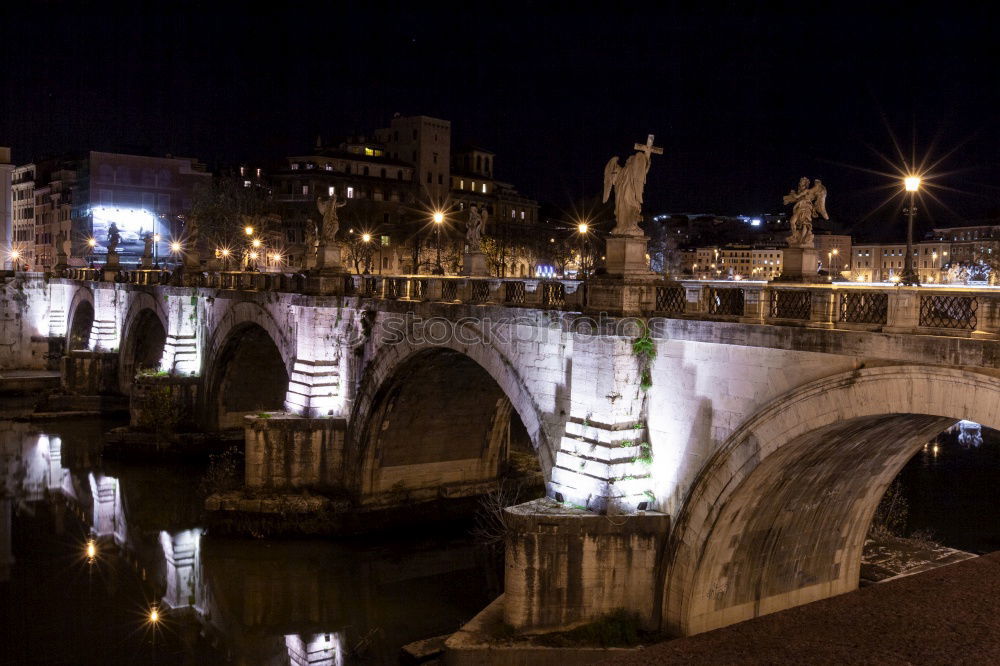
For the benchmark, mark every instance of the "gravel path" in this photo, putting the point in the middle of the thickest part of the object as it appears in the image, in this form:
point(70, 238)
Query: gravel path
point(950, 615)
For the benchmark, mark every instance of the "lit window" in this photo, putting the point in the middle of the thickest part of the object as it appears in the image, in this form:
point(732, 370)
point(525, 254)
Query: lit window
point(305, 189)
point(522, 214)
point(246, 183)
point(484, 188)
point(461, 184)
point(295, 167)
point(473, 186)
point(350, 192)
point(331, 190)
point(369, 151)
point(385, 241)
point(258, 172)
point(328, 166)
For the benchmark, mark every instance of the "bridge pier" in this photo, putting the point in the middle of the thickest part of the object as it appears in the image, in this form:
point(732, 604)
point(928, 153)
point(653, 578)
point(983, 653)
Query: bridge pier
point(567, 566)
point(165, 403)
point(289, 453)
point(87, 372)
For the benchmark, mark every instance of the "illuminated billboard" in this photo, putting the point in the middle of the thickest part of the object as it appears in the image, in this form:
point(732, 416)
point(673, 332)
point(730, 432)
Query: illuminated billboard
point(133, 224)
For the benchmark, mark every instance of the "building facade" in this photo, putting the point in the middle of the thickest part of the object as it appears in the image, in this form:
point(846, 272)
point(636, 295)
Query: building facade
point(6, 200)
point(833, 251)
point(394, 183)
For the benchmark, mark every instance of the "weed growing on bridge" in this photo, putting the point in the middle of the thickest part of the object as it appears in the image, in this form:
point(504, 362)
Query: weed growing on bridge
point(644, 349)
point(645, 454)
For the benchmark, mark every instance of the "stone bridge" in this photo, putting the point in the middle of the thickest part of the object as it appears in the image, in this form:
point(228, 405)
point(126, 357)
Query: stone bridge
point(715, 456)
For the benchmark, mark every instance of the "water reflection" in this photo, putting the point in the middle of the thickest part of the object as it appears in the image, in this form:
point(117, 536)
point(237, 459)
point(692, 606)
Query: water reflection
point(260, 602)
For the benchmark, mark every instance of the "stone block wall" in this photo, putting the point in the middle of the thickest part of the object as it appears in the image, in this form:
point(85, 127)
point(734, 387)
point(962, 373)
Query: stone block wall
point(566, 566)
point(286, 452)
point(23, 326)
point(164, 403)
point(90, 373)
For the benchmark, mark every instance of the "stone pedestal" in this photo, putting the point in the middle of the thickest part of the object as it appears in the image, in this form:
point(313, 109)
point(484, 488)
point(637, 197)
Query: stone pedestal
point(799, 264)
point(566, 566)
point(111, 267)
point(474, 265)
point(328, 259)
point(192, 261)
point(625, 257)
point(146, 262)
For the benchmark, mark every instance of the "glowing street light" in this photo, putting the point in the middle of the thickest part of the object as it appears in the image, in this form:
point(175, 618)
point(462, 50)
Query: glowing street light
point(248, 230)
point(91, 550)
point(255, 242)
point(176, 247)
point(438, 220)
point(582, 228)
point(154, 615)
point(367, 238)
point(909, 277)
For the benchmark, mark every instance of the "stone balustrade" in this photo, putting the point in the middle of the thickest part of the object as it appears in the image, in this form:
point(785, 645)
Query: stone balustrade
point(937, 310)
point(955, 310)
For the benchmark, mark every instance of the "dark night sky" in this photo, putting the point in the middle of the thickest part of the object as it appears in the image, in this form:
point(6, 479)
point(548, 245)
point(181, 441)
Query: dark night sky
point(744, 101)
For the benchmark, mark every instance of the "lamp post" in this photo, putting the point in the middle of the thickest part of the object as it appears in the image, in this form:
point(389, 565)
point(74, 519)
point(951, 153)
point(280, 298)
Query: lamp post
point(91, 244)
point(582, 229)
point(366, 238)
point(438, 220)
point(156, 241)
point(909, 277)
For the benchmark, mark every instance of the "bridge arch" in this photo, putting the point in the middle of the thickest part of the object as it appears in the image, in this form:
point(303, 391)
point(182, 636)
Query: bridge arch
point(80, 319)
point(247, 365)
point(144, 333)
point(439, 406)
point(779, 516)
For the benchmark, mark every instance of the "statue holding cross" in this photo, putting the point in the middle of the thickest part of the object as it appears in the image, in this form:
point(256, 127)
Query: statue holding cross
point(628, 182)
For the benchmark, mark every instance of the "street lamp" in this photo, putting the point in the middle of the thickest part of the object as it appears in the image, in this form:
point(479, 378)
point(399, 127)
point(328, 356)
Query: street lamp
point(582, 229)
point(438, 220)
point(909, 277)
point(248, 230)
point(91, 243)
point(15, 256)
point(366, 238)
point(175, 249)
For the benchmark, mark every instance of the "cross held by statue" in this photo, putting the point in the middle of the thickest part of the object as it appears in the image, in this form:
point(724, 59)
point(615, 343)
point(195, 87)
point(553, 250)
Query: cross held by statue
point(648, 147)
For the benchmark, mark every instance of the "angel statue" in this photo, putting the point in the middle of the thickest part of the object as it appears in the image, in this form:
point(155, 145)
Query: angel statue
point(628, 182)
point(809, 202)
point(114, 238)
point(310, 238)
point(331, 223)
point(474, 227)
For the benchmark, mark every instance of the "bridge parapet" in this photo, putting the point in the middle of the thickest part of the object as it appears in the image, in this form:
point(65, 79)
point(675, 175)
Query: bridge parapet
point(955, 310)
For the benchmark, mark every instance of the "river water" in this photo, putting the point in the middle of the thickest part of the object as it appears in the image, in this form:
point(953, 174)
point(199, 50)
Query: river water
point(220, 600)
point(248, 601)
point(953, 492)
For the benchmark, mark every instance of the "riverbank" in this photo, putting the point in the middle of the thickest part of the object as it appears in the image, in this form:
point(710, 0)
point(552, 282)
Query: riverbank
point(944, 616)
